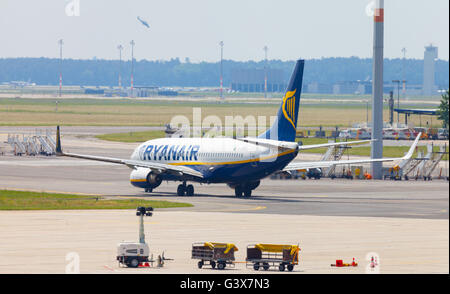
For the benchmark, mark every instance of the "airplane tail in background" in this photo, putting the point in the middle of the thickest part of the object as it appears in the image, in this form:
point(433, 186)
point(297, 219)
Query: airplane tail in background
point(285, 126)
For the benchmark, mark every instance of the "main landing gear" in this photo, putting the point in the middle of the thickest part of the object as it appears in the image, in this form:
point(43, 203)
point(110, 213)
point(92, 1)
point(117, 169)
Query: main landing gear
point(242, 191)
point(185, 190)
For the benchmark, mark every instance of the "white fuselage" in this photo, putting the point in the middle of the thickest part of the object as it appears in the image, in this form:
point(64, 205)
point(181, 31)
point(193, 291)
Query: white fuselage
point(220, 160)
point(195, 151)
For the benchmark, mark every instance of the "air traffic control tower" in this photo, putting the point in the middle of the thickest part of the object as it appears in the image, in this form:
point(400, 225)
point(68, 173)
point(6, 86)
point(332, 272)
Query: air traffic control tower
point(429, 58)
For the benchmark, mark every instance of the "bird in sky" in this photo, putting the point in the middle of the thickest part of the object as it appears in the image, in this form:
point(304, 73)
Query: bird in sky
point(143, 22)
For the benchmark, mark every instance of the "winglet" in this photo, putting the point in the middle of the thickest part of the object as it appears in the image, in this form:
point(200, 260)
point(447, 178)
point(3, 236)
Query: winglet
point(413, 147)
point(58, 148)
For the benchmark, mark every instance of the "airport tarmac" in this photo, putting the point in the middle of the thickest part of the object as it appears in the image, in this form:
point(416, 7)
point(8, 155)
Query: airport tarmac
point(39, 241)
point(405, 223)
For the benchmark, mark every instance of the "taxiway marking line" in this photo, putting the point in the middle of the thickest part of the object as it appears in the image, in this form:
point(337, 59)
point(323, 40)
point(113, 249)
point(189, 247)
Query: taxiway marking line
point(241, 209)
point(109, 268)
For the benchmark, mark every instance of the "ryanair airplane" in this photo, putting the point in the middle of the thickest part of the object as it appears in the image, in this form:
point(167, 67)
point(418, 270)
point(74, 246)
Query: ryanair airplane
point(239, 162)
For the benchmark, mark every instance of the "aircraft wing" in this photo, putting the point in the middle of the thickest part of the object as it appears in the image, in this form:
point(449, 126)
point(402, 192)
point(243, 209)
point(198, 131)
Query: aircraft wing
point(324, 164)
point(154, 166)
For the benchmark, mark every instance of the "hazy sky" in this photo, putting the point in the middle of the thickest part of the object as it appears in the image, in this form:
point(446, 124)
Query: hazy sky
point(193, 28)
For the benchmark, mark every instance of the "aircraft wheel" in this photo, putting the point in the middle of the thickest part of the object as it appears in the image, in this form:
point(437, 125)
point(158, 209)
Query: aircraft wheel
point(238, 191)
point(248, 193)
point(190, 190)
point(181, 190)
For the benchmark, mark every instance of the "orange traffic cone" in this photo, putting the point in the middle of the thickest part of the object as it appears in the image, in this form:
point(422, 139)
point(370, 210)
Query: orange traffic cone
point(144, 264)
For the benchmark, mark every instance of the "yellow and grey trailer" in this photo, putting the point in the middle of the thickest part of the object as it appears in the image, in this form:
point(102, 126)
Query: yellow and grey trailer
point(220, 254)
point(272, 255)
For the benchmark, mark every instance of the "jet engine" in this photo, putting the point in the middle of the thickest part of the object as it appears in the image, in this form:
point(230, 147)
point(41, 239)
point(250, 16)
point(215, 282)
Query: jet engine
point(154, 180)
point(145, 178)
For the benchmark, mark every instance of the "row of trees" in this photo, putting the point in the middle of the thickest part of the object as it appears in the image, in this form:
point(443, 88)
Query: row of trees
point(443, 110)
point(96, 72)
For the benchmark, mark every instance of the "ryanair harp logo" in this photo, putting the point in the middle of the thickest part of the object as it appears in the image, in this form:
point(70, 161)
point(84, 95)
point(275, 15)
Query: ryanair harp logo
point(289, 107)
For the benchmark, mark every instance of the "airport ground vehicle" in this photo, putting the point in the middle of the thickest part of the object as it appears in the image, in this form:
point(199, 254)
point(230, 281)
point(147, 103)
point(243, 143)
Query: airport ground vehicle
point(272, 255)
point(423, 132)
point(220, 254)
point(397, 134)
point(442, 134)
point(315, 173)
point(132, 254)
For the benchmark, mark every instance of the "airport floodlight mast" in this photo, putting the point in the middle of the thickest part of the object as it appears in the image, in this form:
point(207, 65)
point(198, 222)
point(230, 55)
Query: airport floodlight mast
point(120, 47)
point(221, 69)
point(404, 72)
point(398, 98)
point(265, 71)
point(132, 43)
point(60, 42)
point(377, 90)
point(367, 113)
point(141, 212)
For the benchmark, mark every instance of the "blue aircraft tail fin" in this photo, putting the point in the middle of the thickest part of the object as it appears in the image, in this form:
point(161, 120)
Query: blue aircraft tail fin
point(285, 126)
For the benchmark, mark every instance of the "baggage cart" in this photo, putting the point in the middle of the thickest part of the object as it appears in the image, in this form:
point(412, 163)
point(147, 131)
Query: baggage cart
point(214, 254)
point(268, 256)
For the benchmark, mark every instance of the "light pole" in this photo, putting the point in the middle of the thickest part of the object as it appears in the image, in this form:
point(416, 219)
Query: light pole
point(367, 113)
point(265, 71)
point(398, 99)
point(60, 42)
point(221, 69)
point(141, 212)
point(404, 71)
point(120, 47)
point(132, 43)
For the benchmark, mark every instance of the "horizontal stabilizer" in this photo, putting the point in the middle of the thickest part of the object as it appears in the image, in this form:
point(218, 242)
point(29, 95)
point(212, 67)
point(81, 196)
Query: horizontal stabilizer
point(270, 143)
point(306, 147)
